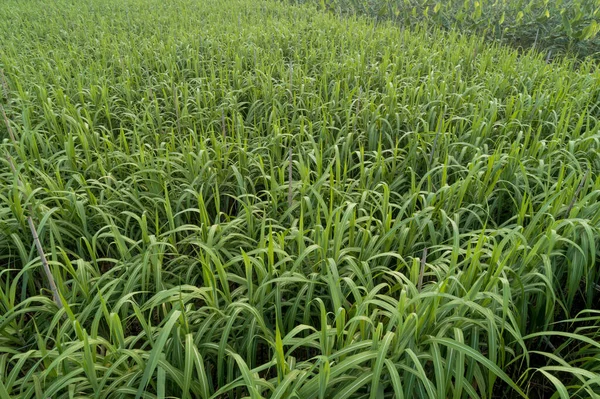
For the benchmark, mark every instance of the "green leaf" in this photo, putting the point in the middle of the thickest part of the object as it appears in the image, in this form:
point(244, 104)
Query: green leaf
point(156, 352)
point(519, 16)
point(560, 388)
point(472, 353)
point(590, 31)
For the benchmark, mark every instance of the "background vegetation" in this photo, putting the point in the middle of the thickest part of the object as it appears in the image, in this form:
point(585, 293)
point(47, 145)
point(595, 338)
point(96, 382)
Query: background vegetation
point(551, 27)
point(251, 199)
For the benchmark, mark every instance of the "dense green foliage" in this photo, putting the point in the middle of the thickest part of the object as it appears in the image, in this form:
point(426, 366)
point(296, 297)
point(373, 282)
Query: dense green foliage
point(247, 198)
point(553, 27)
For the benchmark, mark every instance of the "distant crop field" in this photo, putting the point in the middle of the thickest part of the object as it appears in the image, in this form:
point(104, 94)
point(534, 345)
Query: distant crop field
point(259, 199)
point(552, 27)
